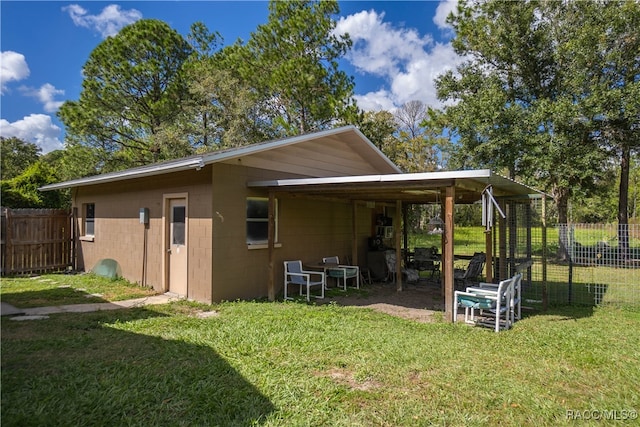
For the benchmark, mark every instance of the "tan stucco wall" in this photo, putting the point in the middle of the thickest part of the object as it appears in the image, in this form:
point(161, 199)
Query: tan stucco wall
point(120, 236)
point(307, 229)
point(220, 266)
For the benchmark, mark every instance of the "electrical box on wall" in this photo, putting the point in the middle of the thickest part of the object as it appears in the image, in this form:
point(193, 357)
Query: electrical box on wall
point(144, 215)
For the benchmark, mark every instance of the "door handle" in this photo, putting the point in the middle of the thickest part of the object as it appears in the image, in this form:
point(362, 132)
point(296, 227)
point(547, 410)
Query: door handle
point(169, 250)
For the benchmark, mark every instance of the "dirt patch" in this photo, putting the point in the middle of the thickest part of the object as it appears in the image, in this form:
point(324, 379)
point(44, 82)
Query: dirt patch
point(421, 302)
point(206, 314)
point(348, 379)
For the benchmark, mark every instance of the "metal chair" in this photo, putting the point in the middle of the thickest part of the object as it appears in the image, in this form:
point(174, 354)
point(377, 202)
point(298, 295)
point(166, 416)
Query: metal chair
point(365, 272)
point(424, 259)
point(343, 272)
point(472, 272)
point(294, 274)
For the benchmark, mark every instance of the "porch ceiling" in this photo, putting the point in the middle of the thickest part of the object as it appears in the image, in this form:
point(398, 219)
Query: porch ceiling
point(409, 188)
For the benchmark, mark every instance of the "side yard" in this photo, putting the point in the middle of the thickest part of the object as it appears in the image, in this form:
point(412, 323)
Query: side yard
point(259, 363)
point(60, 289)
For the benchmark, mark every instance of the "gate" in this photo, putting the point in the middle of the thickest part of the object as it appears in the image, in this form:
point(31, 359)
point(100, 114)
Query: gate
point(36, 240)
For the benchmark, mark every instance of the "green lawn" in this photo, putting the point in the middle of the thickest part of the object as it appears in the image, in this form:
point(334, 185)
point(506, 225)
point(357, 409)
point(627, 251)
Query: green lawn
point(274, 364)
point(62, 289)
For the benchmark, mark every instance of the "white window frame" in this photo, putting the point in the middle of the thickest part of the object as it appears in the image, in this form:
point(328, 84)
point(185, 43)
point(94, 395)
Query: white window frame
point(262, 244)
point(86, 234)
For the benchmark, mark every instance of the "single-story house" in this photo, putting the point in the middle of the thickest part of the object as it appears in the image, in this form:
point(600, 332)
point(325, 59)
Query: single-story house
point(218, 226)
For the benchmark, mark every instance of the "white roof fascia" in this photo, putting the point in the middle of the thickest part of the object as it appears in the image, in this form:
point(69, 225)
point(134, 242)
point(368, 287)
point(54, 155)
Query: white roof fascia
point(376, 149)
point(144, 171)
point(205, 159)
point(485, 175)
point(423, 176)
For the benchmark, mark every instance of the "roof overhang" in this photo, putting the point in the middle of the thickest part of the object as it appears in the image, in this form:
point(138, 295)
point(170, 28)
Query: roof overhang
point(141, 172)
point(347, 134)
point(411, 187)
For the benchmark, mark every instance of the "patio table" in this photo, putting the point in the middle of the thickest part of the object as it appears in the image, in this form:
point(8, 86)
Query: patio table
point(324, 266)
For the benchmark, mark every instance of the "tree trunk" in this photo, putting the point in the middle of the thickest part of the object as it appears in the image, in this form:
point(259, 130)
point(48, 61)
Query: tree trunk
point(623, 204)
point(561, 198)
point(205, 131)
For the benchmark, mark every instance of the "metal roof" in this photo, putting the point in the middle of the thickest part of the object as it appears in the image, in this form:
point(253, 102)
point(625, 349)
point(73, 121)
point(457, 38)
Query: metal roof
point(199, 161)
point(411, 187)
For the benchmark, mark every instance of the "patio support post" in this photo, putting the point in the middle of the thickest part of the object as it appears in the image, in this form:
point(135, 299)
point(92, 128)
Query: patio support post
point(502, 242)
point(488, 245)
point(271, 234)
point(512, 216)
point(398, 244)
point(405, 233)
point(354, 229)
point(447, 252)
point(443, 239)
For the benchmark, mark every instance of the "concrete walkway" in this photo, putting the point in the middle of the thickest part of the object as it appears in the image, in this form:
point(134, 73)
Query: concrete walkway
point(44, 312)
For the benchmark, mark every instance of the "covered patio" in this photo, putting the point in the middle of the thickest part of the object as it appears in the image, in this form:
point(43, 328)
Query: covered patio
point(497, 194)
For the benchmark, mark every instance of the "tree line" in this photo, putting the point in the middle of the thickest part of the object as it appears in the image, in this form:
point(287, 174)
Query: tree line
point(547, 94)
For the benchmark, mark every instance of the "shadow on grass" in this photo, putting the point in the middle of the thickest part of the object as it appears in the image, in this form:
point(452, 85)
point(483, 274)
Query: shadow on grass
point(51, 297)
point(105, 368)
point(585, 294)
point(562, 313)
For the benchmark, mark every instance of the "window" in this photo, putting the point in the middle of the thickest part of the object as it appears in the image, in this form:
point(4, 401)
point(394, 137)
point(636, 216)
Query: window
point(258, 220)
point(89, 219)
point(178, 222)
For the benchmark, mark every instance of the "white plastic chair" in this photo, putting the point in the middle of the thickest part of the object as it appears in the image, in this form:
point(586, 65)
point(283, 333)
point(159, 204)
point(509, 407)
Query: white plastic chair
point(294, 274)
point(516, 297)
point(497, 302)
point(343, 272)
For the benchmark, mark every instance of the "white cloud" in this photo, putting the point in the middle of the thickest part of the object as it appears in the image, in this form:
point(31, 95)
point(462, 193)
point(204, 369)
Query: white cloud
point(45, 95)
point(107, 23)
point(36, 128)
point(408, 61)
point(375, 101)
point(378, 47)
point(13, 67)
point(443, 10)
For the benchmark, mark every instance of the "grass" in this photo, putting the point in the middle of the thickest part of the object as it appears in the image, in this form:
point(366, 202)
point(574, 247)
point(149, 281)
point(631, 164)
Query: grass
point(63, 289)
point(590, 284)
point(275, 364)
point(468, 240)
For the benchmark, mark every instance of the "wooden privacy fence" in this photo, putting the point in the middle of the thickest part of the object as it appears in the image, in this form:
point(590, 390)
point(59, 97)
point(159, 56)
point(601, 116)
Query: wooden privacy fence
point(36, 240)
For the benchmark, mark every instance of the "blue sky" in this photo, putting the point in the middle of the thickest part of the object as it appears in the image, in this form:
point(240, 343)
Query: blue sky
point(399, 49)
